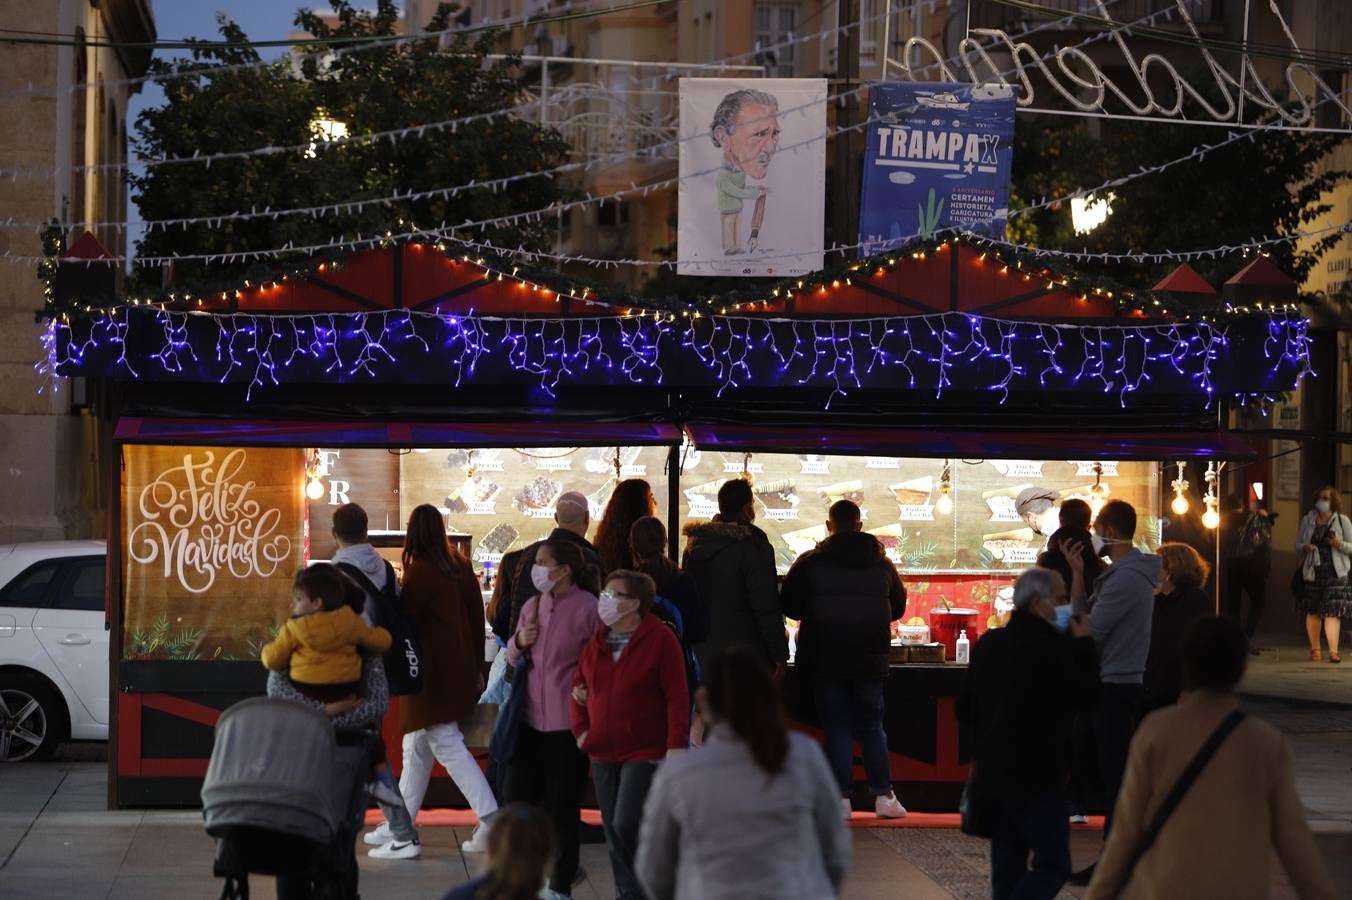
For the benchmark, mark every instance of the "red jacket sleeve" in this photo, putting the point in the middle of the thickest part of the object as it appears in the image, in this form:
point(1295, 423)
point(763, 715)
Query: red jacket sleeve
point(672, 671)
point(578, 716)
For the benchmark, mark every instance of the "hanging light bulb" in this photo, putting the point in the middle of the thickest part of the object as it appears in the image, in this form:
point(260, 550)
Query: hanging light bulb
point(945, 504)
point(314, 489)
point(1211, 518)
point(1180, 506)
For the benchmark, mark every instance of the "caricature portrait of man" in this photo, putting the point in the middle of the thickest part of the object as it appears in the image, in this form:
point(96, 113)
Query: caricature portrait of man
point(746, 128)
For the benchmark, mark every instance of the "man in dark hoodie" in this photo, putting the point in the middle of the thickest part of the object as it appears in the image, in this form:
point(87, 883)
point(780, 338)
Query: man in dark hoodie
point(733, 565)
point(1120, 604)
point(845, 594)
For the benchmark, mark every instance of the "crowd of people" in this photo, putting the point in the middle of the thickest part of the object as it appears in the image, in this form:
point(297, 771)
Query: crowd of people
point(663, 681)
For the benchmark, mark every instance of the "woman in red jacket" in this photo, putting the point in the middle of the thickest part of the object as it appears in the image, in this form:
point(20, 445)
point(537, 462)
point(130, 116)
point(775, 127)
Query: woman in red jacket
point(631, 709)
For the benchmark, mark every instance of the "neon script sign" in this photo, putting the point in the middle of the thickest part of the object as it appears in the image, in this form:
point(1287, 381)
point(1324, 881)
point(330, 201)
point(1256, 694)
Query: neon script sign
point(198, 521)
point(1087, 88)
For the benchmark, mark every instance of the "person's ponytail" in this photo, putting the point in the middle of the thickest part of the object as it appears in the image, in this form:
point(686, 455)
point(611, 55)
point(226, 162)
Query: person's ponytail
point(742, 695)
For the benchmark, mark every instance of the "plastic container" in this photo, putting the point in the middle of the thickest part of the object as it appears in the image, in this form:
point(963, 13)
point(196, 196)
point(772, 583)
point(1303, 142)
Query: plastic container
point(910, 635)
point(963, 649)
point(946, 624)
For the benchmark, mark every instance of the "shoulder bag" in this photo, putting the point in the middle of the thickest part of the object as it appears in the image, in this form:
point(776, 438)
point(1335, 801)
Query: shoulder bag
point(502, 743)
point(1181, 788)
point(979, 808)
point(403, 661)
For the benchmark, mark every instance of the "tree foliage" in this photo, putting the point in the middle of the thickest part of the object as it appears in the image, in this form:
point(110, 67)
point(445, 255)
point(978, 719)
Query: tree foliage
point(390, 85)
point(1259, 187)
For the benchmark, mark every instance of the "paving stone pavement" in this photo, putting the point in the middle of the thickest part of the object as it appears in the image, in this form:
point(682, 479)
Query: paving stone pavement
point(57, 839)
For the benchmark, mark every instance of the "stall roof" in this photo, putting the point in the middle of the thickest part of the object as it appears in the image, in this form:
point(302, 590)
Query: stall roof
point(974, 444)
point(135, 430)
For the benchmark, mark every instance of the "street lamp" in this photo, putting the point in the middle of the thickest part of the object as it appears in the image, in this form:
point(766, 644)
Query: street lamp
point(323, 128)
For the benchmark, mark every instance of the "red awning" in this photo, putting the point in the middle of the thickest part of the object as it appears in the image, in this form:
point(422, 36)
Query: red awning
point(1158, 446)
point(232, 432)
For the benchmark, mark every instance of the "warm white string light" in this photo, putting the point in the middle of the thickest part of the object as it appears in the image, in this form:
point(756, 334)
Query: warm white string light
point(1180, 503)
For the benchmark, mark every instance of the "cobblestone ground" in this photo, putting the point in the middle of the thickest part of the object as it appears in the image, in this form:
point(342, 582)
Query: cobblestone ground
point(57, 840)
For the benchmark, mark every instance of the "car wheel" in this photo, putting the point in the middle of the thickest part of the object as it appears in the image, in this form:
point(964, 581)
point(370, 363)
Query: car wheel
point(32, 719)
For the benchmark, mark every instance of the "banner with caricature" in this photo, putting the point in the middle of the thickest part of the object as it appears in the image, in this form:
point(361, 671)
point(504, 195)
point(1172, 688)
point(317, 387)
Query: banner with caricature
point(212, 538)
point(752, 176)
point(937, 155)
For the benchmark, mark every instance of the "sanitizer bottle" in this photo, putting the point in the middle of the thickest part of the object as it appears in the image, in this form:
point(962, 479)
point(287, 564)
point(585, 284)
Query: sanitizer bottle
point(962, 649)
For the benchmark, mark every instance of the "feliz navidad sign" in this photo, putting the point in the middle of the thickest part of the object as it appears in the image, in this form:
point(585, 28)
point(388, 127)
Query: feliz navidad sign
point(212, 537)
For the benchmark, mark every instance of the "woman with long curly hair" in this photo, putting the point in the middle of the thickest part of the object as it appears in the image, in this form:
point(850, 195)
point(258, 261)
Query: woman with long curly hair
point(632, 500)
point(441, 595)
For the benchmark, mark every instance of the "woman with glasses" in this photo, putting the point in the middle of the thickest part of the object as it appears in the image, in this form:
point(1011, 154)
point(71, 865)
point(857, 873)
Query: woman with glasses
point(631, 709)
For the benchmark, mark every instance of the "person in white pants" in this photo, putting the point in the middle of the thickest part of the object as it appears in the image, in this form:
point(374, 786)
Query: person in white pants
point(441, 595)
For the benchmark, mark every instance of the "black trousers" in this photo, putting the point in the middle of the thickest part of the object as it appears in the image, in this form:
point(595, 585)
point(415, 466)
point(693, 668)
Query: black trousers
point(549, 771)
point(1246, 577)
point(1116, 711)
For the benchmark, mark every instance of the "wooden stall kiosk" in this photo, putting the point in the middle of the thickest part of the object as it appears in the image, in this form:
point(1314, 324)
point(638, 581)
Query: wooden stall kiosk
point(931, 386)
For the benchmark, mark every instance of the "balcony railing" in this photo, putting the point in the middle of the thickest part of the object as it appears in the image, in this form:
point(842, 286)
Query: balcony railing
point(990, 14)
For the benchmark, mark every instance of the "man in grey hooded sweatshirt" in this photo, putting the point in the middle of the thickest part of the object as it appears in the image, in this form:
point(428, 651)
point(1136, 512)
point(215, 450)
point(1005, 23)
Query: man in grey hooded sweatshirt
point(1120, 604)
point(349, 530)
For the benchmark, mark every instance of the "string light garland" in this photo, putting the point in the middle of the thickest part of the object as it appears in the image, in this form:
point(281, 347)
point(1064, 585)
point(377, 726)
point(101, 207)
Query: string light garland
point(1012, 261)
point(926, 354)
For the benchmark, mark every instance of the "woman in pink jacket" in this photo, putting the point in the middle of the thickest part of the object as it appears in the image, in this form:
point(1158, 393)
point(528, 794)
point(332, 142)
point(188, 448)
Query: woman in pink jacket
point(547, 768)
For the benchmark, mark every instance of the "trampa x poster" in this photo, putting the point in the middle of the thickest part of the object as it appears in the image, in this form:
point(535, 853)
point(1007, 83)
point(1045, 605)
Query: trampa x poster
point(938, 156)
point(752, 176)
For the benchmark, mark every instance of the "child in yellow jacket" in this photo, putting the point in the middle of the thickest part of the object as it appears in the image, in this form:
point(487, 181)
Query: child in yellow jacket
point(319, 643)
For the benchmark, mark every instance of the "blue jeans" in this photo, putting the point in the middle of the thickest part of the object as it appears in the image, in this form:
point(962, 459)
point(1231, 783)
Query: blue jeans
point(854, 710)
point(1039, 825)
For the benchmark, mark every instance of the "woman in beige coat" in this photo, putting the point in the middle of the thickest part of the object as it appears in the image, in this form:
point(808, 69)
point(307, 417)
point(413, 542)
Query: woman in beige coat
point(1242, 807)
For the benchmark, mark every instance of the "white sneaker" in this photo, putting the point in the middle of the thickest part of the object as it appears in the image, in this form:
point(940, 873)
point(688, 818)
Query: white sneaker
point(889, 807)
point(478, 842)
point(397, 850)
point(380, 836)
point(1079, 819)
point(846, 808)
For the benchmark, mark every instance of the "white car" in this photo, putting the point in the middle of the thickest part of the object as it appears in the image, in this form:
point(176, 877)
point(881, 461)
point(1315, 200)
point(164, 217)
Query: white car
point(53, 647)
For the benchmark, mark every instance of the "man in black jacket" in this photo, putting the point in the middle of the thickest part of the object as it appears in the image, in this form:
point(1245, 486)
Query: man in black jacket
point(845, 595)
point(1016, 707)
point(733, 565)
point(572, 516)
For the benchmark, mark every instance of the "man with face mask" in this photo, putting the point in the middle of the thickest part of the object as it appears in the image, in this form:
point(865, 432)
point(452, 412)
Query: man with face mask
point(1120, 604)
point(1022, 689)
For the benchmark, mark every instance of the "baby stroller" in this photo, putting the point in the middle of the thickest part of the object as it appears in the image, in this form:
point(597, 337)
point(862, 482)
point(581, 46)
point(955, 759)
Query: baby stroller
point(285, 796)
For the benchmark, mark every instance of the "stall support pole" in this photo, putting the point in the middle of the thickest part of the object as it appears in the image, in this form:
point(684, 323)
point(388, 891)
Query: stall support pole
point(674, 503)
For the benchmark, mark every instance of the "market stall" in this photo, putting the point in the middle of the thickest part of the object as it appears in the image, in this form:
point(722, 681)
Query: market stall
point(931, 388)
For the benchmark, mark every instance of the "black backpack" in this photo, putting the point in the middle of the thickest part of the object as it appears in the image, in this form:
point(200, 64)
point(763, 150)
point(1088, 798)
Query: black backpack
point(403, 661)
point(667, 611)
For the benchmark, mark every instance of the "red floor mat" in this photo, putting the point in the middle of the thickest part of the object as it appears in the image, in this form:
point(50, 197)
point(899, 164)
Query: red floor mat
point(463, 818)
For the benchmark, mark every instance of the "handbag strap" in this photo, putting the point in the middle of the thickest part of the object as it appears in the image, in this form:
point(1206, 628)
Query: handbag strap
point(1184, 783)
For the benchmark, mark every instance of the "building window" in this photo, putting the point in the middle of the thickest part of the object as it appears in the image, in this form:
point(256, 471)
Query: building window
point(612, 215)
point(776, 24)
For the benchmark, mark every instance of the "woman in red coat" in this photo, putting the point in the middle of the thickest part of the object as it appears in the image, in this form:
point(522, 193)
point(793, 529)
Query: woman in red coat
point(631, 709)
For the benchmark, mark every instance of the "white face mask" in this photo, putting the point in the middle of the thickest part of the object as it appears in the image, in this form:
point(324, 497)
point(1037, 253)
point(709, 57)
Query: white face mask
point(539, 576)
point(1098, 544)
point(608, 608)
point(1322, 506)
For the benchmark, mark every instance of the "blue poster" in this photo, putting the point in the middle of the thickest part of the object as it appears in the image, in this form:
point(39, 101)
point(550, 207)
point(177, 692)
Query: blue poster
point(938, 155)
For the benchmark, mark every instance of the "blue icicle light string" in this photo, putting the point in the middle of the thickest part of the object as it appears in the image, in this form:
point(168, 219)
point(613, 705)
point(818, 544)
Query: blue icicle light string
point(926, 354)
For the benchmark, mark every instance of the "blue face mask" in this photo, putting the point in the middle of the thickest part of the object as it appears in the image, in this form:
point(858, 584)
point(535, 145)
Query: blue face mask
point(1062, 621)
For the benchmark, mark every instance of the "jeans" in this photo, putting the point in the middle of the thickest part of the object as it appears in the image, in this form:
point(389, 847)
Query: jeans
point(621, 789)
point(444, 744)
point(1038, 825)
point(855, 709)
point(497, 691)
point(1113, 717)
point(549, 771)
